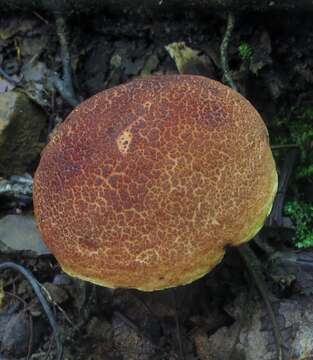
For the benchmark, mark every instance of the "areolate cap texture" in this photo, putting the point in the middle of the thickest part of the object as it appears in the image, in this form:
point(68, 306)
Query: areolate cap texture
point(145, 184)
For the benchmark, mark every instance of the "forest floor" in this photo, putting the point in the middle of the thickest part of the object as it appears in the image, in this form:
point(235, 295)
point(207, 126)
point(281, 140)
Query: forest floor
point(220, 316)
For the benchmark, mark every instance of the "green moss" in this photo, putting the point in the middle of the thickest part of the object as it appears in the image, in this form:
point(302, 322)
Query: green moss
point(305, 172)
point(301, 214)
point(302, 134)
point(245, 51)
point(296, 128)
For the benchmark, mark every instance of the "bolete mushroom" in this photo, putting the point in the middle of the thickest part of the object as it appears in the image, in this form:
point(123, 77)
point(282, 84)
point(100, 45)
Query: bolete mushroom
point(145, 184)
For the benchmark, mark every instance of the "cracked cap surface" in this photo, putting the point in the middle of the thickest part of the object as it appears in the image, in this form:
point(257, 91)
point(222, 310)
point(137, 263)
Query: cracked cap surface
point(145, 184)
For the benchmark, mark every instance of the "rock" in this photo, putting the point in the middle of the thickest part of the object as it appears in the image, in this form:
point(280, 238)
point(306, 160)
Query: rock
point(15, 336)
point(19, 233)
point(36, 72)
point(5, 85)
point(251, 335)
point(130, 344)
point(62, 279)
point(292, 269)
point(21, 124)
point(15, 339)
point(212, 348)
point(99, 330)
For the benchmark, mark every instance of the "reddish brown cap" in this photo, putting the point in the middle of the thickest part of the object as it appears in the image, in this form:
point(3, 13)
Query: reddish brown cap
point(145, 184)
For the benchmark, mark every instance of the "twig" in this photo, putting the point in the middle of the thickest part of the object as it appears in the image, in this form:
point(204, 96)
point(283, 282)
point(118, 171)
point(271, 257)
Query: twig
point(64, 85)
point(253, 267)
point(65, 53)
point(36, 287)
point(178, 332)
point(55, 304)
point(224, 51)
point(30, 340)
point(245, 252)
point(304, 259)
point(284, 146)
point(47, 354)
point(40, 17)
point(276, 217)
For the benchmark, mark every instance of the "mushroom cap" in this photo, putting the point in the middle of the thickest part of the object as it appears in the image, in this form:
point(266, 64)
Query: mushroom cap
point(145, 184)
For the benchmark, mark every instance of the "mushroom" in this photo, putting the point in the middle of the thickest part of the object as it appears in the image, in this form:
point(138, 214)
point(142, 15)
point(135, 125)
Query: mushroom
point(145, 184)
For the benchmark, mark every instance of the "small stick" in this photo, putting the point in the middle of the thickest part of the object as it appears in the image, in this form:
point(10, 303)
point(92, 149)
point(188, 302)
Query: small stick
point(65, 53)
point(224, 51)
point(178, 332)
point(30, 340)
point(65, 85)
point(50, 299)
point(36, 287)
point(245, 252)
point(41, 17)
point(276, 217)
point(284, 146)
point(253, 268)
